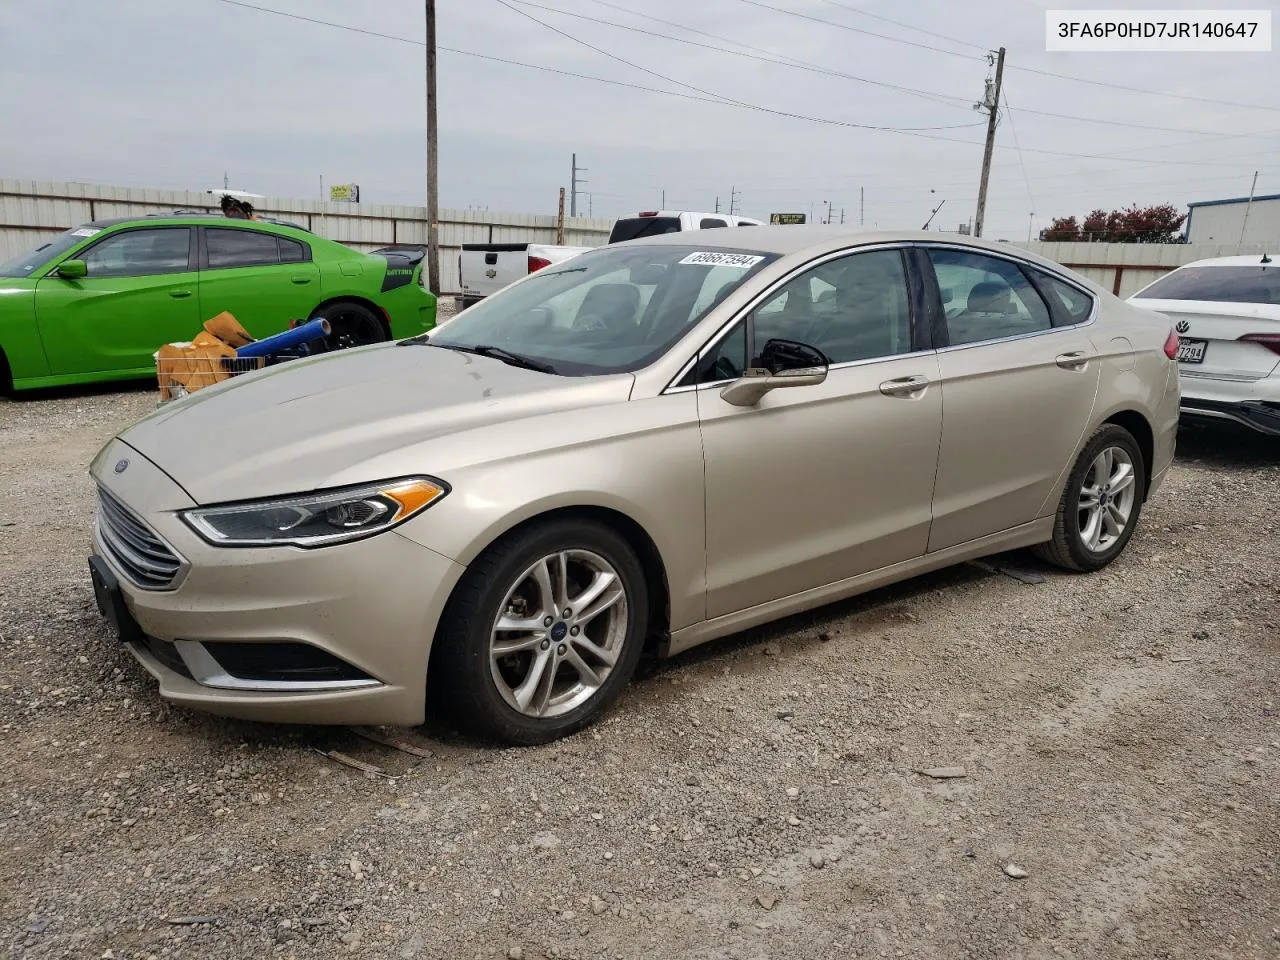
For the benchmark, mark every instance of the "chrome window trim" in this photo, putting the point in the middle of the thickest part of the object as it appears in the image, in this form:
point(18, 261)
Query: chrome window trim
point(1094, 309)
point(759, 298)
point(208, 672)
point(842, 365)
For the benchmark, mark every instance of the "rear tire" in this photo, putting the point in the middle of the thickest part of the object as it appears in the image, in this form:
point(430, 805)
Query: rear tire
point(517, 660)
point(351, 325)
point(1101, 503)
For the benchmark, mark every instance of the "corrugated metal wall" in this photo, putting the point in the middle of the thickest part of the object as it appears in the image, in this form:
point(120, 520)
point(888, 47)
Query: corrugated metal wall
point(1222, 222)
point(32, 211)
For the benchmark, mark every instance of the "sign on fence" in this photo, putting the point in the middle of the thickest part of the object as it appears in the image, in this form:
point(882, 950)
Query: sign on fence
point(786, 218)
point(344, 192)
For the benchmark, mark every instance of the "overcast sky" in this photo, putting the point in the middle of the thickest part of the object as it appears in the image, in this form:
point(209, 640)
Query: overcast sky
point(172, 94)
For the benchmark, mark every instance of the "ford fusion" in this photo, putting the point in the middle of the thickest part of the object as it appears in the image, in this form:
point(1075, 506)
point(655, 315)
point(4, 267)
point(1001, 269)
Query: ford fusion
point(654, 444)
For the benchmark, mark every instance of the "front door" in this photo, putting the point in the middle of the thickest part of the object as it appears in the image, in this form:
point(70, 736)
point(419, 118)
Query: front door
point(262, 279)
point(139, 292)
point(1018, 393)
point(816, 484)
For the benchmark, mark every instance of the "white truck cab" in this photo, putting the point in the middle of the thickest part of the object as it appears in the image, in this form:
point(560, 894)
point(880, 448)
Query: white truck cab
point(651, 223)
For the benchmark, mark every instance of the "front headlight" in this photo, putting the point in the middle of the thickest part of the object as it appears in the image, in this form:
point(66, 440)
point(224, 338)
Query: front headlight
point(316, 519)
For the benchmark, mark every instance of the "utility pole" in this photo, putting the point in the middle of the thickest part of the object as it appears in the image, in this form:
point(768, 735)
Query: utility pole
point(664, 201)
point(990, 103)
point(1030, 221)
point(560, 220)
point(433, 173)
point(842, 216)
point(733, 199)
point(828, 220)
point(226, 181)
point(1247, 206)
point(574, 182)
point(591, 204)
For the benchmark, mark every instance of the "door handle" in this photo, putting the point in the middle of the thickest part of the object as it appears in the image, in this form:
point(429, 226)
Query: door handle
point(1072, 361)
point(904, 386)
point(300, 279)
point(179, 294)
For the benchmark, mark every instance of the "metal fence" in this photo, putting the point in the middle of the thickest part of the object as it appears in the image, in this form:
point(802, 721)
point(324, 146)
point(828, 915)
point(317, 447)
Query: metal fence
point(1125, 268)
point(31, 211)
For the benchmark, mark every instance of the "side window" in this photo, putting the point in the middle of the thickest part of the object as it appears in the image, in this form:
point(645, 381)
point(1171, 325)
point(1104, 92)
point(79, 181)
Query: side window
point(240, 248)
point(986, 298)
point(851, 308)
point(1069, 305)
point(727, 359)
point(706, 223)
point(291, 251)
point(140, 253)
point(747, 223)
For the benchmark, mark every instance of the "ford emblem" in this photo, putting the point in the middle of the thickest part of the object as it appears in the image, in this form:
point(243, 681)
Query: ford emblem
point(122, 466)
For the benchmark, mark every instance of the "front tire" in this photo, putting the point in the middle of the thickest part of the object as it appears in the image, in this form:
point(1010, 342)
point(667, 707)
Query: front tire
point(542, 633)
point(1100, 504)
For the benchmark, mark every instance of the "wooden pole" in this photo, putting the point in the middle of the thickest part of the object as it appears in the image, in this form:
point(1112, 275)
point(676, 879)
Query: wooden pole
point(993, 108)
point(433, 181)
point(560, 220)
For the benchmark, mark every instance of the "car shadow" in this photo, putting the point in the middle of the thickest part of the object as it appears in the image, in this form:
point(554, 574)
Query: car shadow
point(1226, 445)
point(85, 390)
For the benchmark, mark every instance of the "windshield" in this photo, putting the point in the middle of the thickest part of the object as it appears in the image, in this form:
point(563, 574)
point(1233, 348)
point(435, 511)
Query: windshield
point(37, 257)
point(1247, 284)
point(611, 310)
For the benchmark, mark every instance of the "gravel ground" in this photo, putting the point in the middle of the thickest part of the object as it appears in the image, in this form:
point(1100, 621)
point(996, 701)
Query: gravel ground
point(1118, 734)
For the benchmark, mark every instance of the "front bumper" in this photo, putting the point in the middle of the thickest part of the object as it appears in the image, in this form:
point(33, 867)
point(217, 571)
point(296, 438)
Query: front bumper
point(371, 606)
point(1251, 403)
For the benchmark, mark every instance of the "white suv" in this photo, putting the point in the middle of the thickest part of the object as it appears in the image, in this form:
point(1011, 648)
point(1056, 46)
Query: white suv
point(1227, 314)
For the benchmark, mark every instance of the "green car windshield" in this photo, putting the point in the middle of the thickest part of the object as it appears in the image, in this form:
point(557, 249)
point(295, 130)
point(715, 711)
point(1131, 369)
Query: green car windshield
point(35, 258)
point(612, 310)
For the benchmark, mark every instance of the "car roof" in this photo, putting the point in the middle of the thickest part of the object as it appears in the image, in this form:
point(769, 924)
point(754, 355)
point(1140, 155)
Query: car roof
point(815, 239)
point(1249, 260)
point(186, 216)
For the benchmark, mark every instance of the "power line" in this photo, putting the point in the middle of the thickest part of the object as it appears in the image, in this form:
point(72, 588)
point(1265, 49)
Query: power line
point(905, 26)
point(772, 57)
point(1008, 111)
point(1012, 66)
point(702, 90)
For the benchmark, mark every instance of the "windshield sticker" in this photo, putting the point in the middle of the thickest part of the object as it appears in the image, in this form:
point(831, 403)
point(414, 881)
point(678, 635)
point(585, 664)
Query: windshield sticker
point(743, 261)
point(85, 232)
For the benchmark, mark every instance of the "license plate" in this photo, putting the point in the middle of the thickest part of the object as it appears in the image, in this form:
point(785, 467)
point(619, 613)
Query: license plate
point(1191, 351)
point(106, 590)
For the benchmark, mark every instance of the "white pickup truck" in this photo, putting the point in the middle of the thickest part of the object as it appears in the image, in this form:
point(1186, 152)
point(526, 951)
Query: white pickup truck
point(485, 268)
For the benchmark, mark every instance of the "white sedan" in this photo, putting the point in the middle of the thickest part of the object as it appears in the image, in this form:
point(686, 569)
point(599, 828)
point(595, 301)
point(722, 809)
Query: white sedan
point(1227, 314)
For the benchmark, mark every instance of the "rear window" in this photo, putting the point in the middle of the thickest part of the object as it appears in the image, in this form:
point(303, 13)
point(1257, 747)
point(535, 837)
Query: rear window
point(1248, 284)
point(635, 227)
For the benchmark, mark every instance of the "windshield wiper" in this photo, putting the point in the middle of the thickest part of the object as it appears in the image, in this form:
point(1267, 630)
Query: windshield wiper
point(514, 359)
point(484, 350)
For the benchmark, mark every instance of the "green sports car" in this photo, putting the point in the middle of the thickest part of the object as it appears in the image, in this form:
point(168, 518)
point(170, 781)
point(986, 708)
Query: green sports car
point(96, 302)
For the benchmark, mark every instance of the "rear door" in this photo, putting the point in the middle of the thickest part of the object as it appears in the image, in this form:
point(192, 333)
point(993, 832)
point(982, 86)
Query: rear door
point(1019, 381)
point(139, 292)
point(262, 279)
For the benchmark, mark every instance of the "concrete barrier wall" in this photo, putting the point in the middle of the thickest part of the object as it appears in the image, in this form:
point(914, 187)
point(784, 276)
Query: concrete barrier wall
point(32, 211)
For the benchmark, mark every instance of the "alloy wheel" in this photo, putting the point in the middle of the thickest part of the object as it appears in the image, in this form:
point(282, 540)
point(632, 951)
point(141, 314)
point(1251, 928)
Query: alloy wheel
point(1106, 499)
point(559, 633)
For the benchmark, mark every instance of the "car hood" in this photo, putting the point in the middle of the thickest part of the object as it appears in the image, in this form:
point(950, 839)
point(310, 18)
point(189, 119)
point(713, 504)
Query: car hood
point(307, 424)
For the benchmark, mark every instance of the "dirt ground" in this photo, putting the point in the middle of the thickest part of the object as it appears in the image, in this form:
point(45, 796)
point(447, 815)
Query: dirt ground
point(758, 798)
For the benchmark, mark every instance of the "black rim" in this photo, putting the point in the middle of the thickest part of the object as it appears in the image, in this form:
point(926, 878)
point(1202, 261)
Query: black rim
point(352, 329)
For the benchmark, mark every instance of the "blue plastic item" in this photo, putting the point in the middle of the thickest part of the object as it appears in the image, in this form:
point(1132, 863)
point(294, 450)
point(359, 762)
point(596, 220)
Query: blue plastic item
point(288, 340)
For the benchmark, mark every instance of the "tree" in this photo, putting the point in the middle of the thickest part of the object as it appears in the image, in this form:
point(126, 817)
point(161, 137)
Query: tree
point(1158, 224)
point(1063, 228)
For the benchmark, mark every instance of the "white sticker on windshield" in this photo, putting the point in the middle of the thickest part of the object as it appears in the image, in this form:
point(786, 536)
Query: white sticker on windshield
point(743, 261)
point(86, 231)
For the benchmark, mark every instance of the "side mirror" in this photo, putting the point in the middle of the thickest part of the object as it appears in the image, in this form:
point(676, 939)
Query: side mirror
point(784, 363)
point(73, 270)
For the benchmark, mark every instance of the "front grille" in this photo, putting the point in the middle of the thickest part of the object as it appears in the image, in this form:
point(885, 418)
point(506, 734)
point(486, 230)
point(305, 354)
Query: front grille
point(143, 556)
